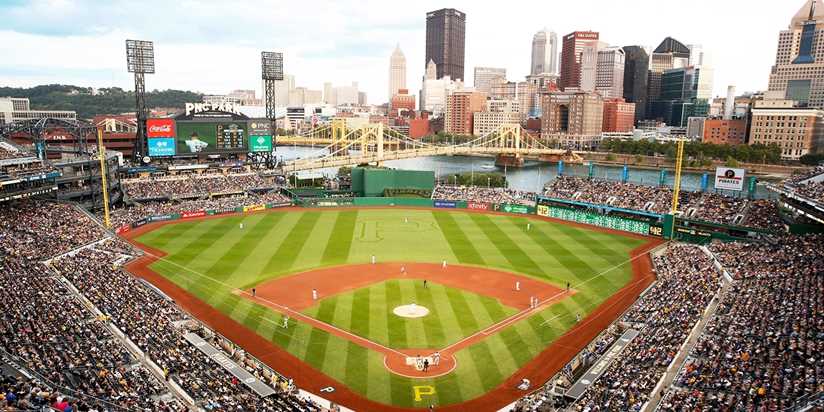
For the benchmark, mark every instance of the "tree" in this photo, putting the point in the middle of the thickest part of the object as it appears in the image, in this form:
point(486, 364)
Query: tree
point(731, 162)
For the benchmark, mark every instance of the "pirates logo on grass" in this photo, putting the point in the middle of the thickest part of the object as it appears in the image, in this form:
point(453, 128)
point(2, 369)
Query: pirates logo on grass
point(421, 391)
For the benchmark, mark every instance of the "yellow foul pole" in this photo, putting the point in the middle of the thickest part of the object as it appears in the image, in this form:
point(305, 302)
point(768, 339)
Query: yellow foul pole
point(101, 151)
point(676, 190)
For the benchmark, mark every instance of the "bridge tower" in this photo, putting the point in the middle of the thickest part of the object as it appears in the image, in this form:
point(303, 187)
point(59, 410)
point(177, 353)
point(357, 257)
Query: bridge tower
point(509, 137)
point(371, 140)
point(338, 131)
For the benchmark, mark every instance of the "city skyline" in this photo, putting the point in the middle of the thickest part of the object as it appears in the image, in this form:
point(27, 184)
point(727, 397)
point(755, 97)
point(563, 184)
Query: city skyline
point(357, 48)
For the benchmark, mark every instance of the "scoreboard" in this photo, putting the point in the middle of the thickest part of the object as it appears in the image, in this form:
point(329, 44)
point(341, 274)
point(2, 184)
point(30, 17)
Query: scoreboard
point(595, 219)
point(230, 136)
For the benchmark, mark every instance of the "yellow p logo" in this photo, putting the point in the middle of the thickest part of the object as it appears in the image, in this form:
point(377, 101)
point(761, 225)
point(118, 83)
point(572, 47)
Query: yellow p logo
point(422, 390)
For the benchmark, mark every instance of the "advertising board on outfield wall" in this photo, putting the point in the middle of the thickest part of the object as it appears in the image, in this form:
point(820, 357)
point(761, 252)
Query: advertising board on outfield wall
point(727, 178)
point(254, 208)
point(477, 206)
point(594, 219)
point(517, 209)
point(448, 204)
point(197, 213)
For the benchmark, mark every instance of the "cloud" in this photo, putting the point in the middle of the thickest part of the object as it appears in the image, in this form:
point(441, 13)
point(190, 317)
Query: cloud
point(214, 47)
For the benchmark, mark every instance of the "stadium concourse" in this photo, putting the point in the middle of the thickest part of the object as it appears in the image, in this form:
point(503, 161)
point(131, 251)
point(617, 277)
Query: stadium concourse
point(748, 316)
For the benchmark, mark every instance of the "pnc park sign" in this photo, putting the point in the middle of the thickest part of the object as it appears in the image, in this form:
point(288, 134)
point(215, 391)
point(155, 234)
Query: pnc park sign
point(197, 108)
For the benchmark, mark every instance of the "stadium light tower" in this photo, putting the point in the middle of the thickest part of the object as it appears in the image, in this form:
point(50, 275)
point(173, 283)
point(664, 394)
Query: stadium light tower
point(271, 70)
point(140, 61)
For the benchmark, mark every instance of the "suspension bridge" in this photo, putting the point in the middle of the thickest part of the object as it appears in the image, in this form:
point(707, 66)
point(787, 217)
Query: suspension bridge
point(375, 143)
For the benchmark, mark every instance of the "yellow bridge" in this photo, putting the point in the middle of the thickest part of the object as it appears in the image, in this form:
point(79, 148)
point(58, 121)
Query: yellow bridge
point(374, 143)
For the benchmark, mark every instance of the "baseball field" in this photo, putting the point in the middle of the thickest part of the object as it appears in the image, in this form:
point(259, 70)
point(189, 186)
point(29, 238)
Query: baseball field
point(500, 290)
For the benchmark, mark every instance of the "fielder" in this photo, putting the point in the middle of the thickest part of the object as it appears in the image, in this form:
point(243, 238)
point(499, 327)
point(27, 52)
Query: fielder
point(518, 285)
point(436, 359)
point(285, 323)
point(241, 226)
point(373, 259)
point(314, 294)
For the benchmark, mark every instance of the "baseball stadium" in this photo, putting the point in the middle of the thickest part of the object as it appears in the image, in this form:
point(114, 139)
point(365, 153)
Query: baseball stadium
point(230, 254)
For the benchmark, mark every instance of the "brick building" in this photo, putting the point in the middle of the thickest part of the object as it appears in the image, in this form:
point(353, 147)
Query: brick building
point(619, 116)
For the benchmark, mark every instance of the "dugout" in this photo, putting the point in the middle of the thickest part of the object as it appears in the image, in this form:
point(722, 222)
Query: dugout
point(373, 182)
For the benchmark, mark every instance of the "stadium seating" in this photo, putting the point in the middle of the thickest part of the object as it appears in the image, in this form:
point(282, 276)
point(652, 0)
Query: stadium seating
point(706, 206)
point(52, 333)
point(484, 195)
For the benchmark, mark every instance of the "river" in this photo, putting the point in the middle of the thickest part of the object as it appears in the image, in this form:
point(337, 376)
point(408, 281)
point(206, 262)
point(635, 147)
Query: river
point(532, 177)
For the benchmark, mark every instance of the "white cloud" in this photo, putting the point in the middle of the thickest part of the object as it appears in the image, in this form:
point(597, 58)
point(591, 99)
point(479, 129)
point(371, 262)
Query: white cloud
point(214, 47)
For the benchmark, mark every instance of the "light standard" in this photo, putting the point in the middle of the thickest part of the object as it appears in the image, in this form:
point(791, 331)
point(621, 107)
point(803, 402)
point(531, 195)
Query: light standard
point(488, 180)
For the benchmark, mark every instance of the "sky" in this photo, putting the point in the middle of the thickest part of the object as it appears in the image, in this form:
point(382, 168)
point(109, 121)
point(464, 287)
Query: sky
point(214, 47)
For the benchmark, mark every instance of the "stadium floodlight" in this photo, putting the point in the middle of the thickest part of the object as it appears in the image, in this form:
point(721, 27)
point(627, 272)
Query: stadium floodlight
point(271, 65)
point(140, 61)
point(140, 56)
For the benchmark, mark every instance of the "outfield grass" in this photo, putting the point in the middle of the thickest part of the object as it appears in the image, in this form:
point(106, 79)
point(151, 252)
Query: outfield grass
point(212, 257)
point(367, 312)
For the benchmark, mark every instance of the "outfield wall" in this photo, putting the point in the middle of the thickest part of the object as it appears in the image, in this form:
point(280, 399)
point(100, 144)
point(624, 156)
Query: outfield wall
point(684, 230)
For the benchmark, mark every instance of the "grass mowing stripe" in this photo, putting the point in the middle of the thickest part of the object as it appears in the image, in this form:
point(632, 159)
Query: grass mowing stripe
point(432, 326)
point(463, 313)
point(356, 371)
point(514, 254)
point(449, 389)
point(318, 339)
point(253, 316)
point(195, 247)
point(449, 319)
point(340, 238)
point(415, 334)
point(160, 238)
point(595, 245)
point(461, 245)
point(288, 251)
point(486, 364)
point(360, 313)
point(576, 266)
point(378, 314)
point(396, 325)
point(227, 263)
point(517, 347)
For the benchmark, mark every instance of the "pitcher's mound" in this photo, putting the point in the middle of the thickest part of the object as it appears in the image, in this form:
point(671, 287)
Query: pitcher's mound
point(411, 311)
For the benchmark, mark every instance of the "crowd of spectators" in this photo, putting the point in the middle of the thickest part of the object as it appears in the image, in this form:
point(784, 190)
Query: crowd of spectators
point(150, 320)
point(664, 316)
point(51, 332)
point(804, 186)
point(707, 206)
point(129, 214)
point(187, 186)
point(6, 153)
point(483, 195)
point(763, 349)
point(763, 214)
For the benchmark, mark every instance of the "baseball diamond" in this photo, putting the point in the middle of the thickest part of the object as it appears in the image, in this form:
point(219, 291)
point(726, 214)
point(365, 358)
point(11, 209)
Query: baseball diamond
point(242, 274)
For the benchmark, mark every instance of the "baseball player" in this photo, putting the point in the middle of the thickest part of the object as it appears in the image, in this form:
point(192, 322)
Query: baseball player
point(314, 294)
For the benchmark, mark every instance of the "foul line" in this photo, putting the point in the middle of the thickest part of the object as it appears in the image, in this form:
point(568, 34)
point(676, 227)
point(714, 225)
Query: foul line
point(541, 305)
point(295, 314)
point(356, 338)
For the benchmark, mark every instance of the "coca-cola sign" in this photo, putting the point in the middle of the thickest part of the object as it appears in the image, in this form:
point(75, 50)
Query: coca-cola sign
point(160, 128)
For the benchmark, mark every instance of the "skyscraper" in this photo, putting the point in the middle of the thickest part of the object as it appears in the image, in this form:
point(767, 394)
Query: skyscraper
point(579, 55)
point(670, 54)
point(609, 81)
point(798, 73)
point(636, 68)
point(484, 75)
point(397, 72)
point(445, 40)
point(544, 52)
